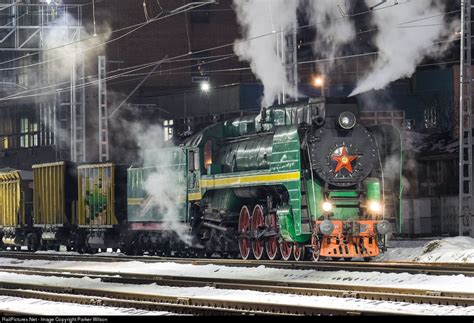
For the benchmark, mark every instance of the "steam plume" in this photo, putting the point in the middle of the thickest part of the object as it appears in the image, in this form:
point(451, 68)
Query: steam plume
point(165, 186)
point(62, 55)
point(262, 17)
point(334, 30)
point(404, 40)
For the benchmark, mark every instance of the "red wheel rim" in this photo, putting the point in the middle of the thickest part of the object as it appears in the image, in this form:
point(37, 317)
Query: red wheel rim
point(258, 223)
point(316, 247)
point(286, 249)
point(244, 226)
point(298, 251)
point(271, 245)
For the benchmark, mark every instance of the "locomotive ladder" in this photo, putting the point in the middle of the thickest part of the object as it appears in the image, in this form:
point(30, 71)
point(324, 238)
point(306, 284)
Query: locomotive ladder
point(305, 213)
point(465, 125)
point(77, 95)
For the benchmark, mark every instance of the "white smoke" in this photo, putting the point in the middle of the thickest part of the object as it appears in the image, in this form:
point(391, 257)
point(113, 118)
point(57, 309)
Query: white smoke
point(65, 51)
point(333, 28)
point(63, 54)
point(165, 185)
point(258, 18)
point(403, 40)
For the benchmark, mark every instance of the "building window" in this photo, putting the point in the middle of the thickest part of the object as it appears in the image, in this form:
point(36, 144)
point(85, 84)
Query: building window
point(5, 143)
point(168, 129)
point(29, 133)
point(24, 142)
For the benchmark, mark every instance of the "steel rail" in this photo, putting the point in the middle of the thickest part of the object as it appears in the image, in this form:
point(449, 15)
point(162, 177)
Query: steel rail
point(466, 269)
point(174, 304)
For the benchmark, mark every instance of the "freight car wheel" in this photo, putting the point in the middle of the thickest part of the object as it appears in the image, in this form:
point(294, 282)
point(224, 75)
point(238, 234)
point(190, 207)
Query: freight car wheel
point(244, 228)
point(43, 245)
point(286, 249)
point(33, 242)
point(299, 251)
point(257, 224)
point(271, 245)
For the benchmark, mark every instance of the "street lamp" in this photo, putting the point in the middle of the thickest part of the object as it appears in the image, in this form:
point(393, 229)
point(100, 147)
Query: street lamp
point(205, 87)
point(318, 81)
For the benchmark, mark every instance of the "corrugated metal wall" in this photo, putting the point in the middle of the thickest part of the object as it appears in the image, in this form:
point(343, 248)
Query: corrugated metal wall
point(49, 203)
point(430, 216)
point(11, 212)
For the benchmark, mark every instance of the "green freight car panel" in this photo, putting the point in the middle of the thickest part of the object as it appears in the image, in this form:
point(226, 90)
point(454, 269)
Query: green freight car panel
point(100, 201)
point(142, 205)
point(54, 201)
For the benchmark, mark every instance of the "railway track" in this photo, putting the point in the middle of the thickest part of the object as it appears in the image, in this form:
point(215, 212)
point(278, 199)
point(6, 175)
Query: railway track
point(172, 304)
point(187, 305)
point(466, 269)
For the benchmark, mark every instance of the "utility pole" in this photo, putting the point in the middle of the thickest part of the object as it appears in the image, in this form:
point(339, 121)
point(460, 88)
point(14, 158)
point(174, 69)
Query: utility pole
point(465, 124)
point(292, 59)
point(287, 52)
point(103, 111)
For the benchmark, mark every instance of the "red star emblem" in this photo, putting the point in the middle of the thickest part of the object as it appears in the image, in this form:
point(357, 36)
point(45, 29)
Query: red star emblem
point(344, 161)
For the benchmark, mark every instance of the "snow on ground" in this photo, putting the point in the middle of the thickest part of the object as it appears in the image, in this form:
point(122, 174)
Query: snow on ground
point(458, 283)
point(456, 249)
point(350, 304)
point(33, 306)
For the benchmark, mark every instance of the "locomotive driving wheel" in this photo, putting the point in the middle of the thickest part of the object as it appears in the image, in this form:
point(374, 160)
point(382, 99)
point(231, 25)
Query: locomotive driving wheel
point(244, 228)
point(257, 223)
point(271, 244)
point(286, 249)
point(299, 251)
point(316, 247)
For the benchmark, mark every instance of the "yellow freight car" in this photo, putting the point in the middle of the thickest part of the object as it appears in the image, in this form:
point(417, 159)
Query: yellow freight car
point(16, 222)
point(54, 204)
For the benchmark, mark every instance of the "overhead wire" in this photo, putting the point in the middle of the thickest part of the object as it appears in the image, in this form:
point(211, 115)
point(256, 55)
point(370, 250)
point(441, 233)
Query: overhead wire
point(91, 83)
point(179, 58)
point(197, 52)
point(135, 28)
point(139, 25)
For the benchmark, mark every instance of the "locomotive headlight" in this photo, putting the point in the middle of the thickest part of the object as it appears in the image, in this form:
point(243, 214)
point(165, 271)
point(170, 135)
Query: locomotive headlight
point(383, 227)
point(347, 120)
point(327, 206)
point(326, 227)
point(375, 207)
